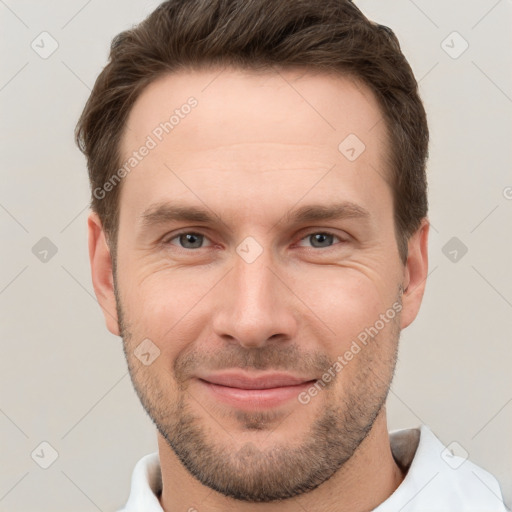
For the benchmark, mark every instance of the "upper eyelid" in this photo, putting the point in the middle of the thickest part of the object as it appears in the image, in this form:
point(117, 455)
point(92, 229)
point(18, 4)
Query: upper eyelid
point(325, 232)
point(314, 231)
point(167, 240)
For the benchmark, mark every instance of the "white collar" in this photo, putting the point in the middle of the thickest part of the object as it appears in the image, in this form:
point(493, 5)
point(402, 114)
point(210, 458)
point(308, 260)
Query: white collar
point(436, 480)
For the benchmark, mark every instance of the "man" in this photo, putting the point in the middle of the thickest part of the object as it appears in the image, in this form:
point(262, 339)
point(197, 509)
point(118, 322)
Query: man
point(258, 238)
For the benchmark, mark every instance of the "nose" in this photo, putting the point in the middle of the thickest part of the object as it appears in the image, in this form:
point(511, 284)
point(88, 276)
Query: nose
point(254, 305)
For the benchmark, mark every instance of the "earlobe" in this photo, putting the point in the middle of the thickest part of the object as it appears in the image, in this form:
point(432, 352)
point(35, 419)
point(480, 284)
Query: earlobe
point(415, 274)
point(101, 272)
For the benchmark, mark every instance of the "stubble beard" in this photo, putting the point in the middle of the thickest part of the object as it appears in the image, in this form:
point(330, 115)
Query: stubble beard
point(252, 474)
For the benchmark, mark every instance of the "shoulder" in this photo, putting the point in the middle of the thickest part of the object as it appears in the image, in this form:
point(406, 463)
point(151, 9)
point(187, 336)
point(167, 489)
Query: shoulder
point(437, 479)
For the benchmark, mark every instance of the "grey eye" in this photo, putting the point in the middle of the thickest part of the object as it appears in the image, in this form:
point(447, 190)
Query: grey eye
point(321, 239)
point(189, 240)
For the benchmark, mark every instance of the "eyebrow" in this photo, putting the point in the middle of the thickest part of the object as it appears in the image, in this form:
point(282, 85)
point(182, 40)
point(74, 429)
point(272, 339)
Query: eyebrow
point(163, 213)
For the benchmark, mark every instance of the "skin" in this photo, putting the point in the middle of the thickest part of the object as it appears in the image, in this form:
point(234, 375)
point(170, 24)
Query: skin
point(257, 147)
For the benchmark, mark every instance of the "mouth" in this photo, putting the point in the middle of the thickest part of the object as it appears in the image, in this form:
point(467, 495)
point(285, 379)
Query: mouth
point(251, 392)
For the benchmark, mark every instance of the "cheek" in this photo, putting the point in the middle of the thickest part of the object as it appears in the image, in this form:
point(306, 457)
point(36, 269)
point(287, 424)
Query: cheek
point(175, 307)
point(346, 299)
point(163, 307)
point(155, 291)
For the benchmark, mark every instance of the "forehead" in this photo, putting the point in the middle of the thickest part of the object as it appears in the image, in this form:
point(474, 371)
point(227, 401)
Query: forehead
point(250, 129)
point(322, 107)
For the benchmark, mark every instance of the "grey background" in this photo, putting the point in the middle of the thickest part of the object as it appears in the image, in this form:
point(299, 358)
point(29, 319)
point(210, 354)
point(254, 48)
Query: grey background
point(63, 378)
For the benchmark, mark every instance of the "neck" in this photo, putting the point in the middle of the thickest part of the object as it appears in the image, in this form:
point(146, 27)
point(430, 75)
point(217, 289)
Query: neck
point(364, 482)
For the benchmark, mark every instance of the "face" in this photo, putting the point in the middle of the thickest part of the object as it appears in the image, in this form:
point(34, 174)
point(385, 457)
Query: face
point(258, 286)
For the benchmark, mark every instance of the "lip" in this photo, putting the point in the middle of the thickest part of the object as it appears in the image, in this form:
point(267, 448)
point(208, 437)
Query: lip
point(251, 392)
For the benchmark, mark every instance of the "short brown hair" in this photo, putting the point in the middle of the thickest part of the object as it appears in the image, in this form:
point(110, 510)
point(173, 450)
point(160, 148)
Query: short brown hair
point(323, 35)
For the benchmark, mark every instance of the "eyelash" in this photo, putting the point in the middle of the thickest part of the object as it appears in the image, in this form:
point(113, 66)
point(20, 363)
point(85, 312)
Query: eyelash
point(177, 235)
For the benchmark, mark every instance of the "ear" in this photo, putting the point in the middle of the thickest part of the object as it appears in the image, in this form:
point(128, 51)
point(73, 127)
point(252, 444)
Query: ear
point(101, 270)
point(415, 274)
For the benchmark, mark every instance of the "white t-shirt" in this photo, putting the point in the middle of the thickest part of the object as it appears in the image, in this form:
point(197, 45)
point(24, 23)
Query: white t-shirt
point(436, 480)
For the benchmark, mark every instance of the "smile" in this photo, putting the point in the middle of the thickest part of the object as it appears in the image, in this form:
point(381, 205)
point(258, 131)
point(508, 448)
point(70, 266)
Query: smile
point(250, 393)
